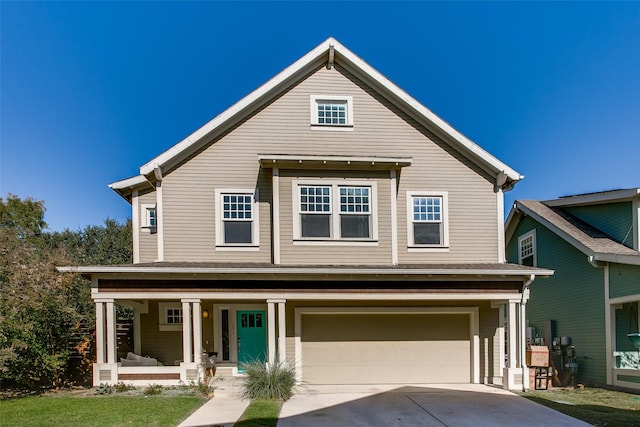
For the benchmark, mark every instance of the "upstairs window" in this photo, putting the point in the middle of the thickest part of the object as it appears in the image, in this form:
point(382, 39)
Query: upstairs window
point(236, 218)
point(335, 211)
point(427, 219)
point(315, 211)
point(355, 212)
point(149, 216)
point(527, 249)
point(331, 112)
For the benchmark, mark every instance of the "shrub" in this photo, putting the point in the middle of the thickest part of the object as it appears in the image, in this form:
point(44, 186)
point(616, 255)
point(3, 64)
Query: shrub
point(153, 389)
point(103, 389)
point(121, 387)
point(269, 382)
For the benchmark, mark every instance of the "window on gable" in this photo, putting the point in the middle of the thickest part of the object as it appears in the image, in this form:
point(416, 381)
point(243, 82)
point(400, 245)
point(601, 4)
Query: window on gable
point(527, 249)
point(236, 218)
point(330, 111)
point(427, 219)
point(334, 211)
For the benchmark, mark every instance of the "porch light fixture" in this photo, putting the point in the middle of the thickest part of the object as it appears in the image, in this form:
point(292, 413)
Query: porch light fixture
point(205, 313)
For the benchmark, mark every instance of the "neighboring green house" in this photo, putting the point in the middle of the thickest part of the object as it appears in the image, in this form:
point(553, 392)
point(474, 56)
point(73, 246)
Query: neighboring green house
point(591, 241)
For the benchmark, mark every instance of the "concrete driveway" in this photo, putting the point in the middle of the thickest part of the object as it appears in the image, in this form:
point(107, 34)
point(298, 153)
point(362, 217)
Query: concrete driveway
point(433, 405)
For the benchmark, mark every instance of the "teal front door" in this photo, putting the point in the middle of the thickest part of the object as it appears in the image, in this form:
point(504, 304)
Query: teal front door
point(252, 336)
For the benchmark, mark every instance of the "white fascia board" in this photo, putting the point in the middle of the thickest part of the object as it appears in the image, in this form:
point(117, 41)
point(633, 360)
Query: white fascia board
point(239, 106)
point(302, 271)
point(295, 68)
point(586, 199)
point(134, 181)
point(428, 114)
point(618, 259)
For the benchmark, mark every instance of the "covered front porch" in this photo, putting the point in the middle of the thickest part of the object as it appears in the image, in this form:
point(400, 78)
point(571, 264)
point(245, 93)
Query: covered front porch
point(175, 341)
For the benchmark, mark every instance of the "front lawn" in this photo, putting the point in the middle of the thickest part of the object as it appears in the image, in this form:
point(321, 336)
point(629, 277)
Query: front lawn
point(59, 410)
point(593, 405)
point(260, 413)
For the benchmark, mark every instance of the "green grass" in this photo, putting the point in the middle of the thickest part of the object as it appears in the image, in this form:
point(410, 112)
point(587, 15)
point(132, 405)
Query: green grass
point(260, 413)
point(52, 410)
point(595, 406)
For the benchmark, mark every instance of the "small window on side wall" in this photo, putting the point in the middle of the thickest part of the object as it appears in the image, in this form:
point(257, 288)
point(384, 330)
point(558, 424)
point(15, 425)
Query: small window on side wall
point(427, 220)
point(527, 249)
point(236, 219)
point(149, 216)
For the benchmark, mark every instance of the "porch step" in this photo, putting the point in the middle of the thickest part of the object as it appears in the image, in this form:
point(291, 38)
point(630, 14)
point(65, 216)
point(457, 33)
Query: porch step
point(227, 372)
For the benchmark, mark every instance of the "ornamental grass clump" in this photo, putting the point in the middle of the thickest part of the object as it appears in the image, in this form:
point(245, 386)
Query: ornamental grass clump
point(274, 381)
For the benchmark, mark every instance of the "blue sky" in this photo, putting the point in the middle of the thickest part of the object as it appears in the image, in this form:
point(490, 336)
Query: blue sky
point(90, 91)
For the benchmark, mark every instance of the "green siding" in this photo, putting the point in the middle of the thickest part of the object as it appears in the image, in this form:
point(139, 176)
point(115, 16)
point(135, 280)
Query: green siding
point(624, 280)
point(573, 297)
point(615, 219)
point(624, 326)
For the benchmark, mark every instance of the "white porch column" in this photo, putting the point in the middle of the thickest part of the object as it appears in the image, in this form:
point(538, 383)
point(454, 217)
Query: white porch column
point(282, 332)
point(186, 331)
point(271, 331)
point(197, 332)
point(100, 332)
point(111, 332)
point(509, 372)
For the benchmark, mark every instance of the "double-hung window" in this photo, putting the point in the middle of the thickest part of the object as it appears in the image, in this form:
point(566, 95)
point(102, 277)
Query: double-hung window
point(236, 218)
point(527, 249)
point(334, 211)
point(427, 220)
point(331, 112)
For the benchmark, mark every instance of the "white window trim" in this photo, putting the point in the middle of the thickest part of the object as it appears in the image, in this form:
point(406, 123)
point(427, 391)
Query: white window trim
point(313, 111)
point(413, 247)
point(144, 217)
point(162, 316)
point(255, 237)
point(529, 234)
point(335, 215)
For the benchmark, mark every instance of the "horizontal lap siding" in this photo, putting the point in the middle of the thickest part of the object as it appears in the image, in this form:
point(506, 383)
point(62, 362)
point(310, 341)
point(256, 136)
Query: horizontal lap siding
point(148, 242)
point(573, 297)
point(166, 346)
point(283, 127)
point(624, 280)
point(615, 219)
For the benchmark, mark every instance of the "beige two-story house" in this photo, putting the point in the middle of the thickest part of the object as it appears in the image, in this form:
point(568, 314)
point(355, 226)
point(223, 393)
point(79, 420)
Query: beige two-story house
point(327, 219)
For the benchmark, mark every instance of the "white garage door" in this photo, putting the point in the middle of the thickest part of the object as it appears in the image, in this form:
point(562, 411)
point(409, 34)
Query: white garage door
point(383, 348)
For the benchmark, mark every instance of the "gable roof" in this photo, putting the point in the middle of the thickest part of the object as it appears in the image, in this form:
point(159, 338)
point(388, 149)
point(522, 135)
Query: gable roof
point(328, 52)
point(589, 240)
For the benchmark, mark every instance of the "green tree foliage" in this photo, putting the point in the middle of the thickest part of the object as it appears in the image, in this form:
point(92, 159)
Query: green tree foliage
point(47, 317)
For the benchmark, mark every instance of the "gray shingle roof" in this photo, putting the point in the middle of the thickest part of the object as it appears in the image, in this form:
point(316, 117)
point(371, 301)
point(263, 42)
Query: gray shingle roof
point(593, 240)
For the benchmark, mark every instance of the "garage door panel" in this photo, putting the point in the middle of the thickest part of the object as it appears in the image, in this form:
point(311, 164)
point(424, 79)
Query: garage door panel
point(398, 348)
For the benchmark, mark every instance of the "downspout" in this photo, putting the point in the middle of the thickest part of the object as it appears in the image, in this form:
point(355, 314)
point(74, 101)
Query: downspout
point(523, 333)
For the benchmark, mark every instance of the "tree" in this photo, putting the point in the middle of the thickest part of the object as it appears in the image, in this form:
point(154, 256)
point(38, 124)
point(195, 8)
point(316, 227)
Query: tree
point(47, 317)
